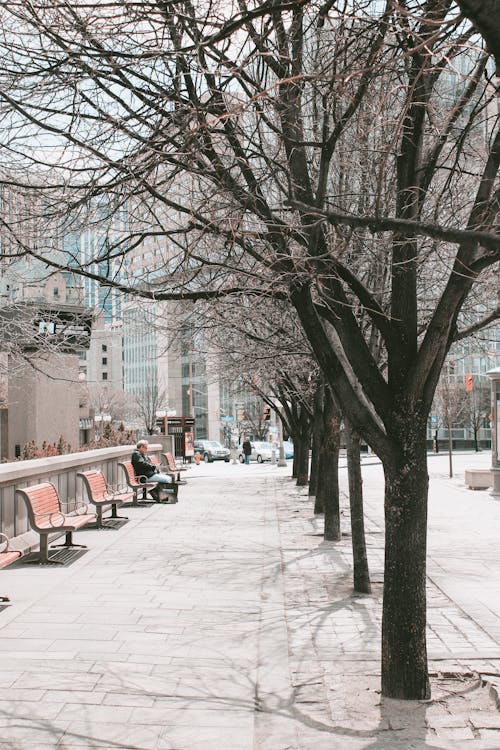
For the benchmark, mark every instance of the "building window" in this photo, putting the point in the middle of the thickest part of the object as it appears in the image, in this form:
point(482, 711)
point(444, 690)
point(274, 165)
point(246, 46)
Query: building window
point(56, 292)
point(104, 348)
point(105, 376)
point(104, 360)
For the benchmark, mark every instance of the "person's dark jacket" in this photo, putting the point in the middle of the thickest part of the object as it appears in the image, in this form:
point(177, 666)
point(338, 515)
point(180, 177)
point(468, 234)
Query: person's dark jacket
point(142, 465)
point(247, 447)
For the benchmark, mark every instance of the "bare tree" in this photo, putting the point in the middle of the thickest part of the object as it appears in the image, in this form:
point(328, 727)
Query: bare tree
point(450, 403)
point(478, 408)
point(150, 400)
point(272, 150)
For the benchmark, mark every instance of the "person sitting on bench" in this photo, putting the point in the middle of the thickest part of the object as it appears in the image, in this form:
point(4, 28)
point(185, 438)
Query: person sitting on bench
point(144, 467)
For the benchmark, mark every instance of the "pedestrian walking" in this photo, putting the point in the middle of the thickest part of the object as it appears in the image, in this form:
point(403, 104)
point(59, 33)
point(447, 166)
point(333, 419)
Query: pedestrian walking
point(247, 450)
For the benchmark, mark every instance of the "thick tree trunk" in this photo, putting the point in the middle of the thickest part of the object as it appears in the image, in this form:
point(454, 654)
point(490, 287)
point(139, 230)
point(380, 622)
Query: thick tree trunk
point(328, 487)
point(319, 506)
point(313, 479)
point(361, 573)
point(301, 451)
point(303, 461)
point(404, 652)
point(317, 440)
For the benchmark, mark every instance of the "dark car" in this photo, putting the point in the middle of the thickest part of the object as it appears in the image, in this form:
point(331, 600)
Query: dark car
point(211, 450)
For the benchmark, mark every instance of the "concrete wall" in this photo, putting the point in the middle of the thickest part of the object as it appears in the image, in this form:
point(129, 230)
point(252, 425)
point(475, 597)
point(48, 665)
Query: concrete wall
point(43, 406)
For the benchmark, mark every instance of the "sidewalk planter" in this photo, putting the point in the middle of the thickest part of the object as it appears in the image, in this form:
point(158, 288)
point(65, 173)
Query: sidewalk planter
point(478, 479)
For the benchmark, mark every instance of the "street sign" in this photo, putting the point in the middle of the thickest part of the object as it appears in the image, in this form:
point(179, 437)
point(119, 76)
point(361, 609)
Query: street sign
point(227, 419)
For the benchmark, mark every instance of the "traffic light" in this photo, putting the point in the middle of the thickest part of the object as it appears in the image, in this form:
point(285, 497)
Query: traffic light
point(241, 415)
point(468, 383)
point(266, 414)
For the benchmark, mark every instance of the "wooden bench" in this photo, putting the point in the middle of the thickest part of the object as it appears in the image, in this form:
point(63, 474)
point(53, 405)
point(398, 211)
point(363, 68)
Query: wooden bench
point(100, 495)
point(46, 517)
point(7, 556)
point(173, 468)
point(137, 484)
point(170, 489)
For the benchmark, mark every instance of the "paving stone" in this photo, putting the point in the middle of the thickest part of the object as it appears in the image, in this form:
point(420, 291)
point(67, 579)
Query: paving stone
point(229, 624)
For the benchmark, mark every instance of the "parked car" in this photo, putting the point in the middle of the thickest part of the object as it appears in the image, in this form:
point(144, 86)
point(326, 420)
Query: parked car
point(261, 452)
point(288, 448)
point(211, 450)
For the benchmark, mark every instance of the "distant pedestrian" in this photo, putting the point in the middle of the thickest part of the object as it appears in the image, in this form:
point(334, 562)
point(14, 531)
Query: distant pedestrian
point(247, 450)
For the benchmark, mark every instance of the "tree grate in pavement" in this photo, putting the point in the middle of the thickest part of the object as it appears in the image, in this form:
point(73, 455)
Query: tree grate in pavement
point(108, 523)
point(61, 556)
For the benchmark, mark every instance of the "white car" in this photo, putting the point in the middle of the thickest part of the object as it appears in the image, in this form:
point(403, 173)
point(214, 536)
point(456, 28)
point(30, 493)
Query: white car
point(261, 452)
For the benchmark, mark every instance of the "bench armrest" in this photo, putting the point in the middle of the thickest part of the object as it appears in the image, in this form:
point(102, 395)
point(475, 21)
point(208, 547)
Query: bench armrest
point(5, 544)
point(143, 479)
point(54, 519)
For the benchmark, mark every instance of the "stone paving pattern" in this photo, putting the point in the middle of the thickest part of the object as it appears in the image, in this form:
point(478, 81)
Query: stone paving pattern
point(226, 622)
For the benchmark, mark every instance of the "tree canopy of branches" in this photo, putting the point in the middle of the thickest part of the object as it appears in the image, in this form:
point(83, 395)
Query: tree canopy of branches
point(342, 156)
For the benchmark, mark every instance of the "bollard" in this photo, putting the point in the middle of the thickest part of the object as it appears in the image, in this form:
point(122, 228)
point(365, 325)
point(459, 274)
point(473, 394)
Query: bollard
point(197, 459)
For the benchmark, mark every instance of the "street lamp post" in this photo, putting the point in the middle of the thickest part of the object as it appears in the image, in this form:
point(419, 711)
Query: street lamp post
point(494, 376)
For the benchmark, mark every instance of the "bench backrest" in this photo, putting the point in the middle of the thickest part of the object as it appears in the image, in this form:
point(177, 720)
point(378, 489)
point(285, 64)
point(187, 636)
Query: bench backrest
point(95, 483)
point(170, 461)
point(129, 473)
point(41, 501)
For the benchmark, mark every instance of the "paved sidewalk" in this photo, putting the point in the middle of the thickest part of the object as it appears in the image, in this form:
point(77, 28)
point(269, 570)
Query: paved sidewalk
point(226, 622)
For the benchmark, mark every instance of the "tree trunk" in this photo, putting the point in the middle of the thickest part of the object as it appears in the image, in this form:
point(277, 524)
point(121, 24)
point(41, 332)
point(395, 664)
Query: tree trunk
point(317, 433)
point(328, 488)
point(450, 450)
point(313, 479)
point(361, 573)
point(319, 506)
point(303, 461)
point(404, 652)
point(476, 442)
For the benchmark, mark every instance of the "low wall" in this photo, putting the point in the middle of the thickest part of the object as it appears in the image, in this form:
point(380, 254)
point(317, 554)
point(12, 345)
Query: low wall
point(61, 471)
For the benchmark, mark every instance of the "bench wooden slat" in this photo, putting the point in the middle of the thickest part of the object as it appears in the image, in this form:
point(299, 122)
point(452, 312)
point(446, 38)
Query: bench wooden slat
point(134, 483)
point(173, 468)
point(99, 494)
point(7, 556)
point(46, 517)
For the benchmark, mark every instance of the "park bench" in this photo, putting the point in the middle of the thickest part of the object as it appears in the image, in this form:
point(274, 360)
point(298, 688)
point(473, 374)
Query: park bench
point(173, 468)
point(102, 497)
point(170, 490)
point(137, 484)
point(7, 555)
point(46, 517)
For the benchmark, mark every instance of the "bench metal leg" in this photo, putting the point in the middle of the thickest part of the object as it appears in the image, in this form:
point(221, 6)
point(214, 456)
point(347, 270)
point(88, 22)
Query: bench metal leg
point(69, 542)
point(44, 552)
point(98, 520)
point(101, 522)
point(136, 503)
point(114, 513)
